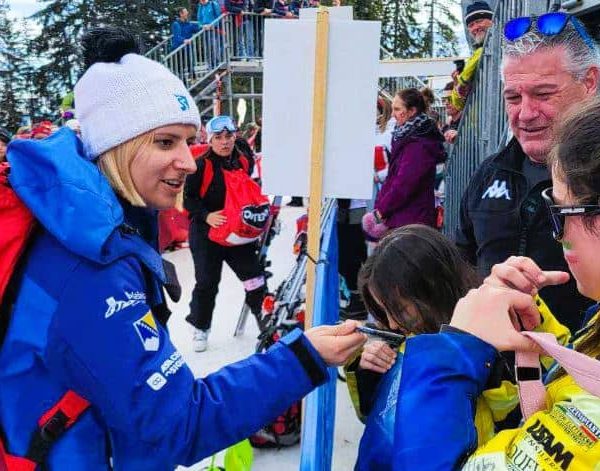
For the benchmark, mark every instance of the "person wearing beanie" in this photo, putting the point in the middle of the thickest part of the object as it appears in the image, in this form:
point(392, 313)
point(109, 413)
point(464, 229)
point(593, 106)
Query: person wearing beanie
point(5, 138)
point(90, 378)
point(205, 201)
point(478, 19)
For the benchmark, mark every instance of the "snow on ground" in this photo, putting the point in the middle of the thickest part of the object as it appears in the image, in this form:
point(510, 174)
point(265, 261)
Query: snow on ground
point(223, 348)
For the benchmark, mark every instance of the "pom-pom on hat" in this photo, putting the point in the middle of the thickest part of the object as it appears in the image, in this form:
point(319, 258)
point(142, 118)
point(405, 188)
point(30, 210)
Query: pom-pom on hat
point(121, 96)
point(478, 11)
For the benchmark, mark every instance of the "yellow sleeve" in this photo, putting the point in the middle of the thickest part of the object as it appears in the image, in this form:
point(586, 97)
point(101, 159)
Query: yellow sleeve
point(352, 384)
point(551, 325)
point(462, 86)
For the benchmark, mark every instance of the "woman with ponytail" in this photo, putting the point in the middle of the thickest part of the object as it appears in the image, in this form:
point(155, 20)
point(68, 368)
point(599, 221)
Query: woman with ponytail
point(90, 379)
point(407, 195)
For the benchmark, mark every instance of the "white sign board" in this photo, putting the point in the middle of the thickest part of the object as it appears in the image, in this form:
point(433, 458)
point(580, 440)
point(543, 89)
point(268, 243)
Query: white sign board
point(351, 107)
point(336, 13)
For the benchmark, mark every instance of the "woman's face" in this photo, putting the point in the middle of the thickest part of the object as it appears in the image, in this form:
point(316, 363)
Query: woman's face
point(401, 112)
point(222, 143)
point(159, 171)
point(580, 245)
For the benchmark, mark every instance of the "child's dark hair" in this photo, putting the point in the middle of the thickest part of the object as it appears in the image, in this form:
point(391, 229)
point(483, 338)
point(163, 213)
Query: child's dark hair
point(415, 264)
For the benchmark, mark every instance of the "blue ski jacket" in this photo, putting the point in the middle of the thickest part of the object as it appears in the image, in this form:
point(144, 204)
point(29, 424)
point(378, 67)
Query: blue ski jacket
point(82, 321)
point(182, 30)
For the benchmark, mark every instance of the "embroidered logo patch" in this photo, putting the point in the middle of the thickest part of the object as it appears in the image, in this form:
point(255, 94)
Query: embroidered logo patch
point(496, 190)
point(148, 332)
point(183, 102)
point(116, 305)
point(156, 381)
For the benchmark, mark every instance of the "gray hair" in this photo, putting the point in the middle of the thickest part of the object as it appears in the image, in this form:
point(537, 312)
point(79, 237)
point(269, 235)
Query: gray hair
point(580, 57)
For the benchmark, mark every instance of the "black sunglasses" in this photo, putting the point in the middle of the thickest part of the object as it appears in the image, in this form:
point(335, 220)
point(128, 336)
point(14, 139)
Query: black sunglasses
point(559, 213)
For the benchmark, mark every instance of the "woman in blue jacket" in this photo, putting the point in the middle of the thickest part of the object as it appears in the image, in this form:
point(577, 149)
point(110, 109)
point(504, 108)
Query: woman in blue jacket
point(85, 326)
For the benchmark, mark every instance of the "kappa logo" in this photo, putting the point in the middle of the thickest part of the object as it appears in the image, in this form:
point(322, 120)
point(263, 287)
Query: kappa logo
point(148, 332)
point(114, 305)
point(183, 102)
point(156, 381)
point(497, 190)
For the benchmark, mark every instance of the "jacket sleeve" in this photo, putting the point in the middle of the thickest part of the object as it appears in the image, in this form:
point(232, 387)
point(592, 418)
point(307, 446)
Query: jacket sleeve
point(233, 7)
point(401, 185)
point(177, 35)
point(124, 363)
point(464, 236)
point(191, 193)
point(260, 6)
point(437, 396)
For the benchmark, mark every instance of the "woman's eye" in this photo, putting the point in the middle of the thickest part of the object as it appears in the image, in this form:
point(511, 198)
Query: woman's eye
point(164, 143)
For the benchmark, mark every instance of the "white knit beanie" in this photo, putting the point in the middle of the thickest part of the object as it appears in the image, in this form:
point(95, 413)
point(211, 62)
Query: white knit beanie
point(117, 101)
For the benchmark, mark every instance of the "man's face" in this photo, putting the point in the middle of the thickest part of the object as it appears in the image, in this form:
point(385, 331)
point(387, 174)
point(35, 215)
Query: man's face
point(478, 29)
point(2, 151)
point(450, 108)
point(538, 89)
point(183, 14)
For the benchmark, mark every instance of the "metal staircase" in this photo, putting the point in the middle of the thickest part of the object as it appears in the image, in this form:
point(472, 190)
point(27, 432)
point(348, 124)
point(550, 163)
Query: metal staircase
point(220, 63)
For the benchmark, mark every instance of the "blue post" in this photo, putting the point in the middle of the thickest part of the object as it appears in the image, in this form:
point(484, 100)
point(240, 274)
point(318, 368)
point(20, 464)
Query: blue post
point(319, 413)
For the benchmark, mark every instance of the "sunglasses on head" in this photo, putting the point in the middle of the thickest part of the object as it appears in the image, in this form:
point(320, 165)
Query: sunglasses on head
point(549, 24)
point(558, 213)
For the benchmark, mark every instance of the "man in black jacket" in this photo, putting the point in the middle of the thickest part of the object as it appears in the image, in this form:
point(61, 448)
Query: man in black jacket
point(502, 212)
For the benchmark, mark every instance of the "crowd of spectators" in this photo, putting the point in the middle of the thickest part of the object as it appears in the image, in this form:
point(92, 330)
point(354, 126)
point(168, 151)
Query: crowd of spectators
point(414, 278)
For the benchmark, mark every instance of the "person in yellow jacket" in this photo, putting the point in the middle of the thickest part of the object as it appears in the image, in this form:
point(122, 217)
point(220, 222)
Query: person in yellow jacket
point(563, 435)
point(478, 19)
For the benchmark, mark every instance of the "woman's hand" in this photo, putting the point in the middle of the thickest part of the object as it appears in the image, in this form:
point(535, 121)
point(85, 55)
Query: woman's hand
point(377, 356)
point(216, 219)
point(522, 274)
point(486, 313)
point(336, 343)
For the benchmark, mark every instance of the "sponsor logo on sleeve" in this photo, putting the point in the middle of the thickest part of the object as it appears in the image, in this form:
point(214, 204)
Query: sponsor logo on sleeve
point(172, 364)
point(156, 381)
point(116, 305)
point(148, 332)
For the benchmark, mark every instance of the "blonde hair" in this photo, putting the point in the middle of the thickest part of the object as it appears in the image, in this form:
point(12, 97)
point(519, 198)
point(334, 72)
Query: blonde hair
point(115, 164)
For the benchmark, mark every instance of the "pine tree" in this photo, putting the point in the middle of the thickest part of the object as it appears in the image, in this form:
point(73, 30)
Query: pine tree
point(63, 22)
point(406, 28)
point(14, 70)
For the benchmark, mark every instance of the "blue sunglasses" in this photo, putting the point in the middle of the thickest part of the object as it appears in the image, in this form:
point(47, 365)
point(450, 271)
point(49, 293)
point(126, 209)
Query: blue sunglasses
point(218, 124)
point(549, 24)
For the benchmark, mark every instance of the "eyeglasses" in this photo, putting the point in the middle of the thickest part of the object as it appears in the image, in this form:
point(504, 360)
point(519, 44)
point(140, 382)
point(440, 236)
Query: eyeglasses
point(559, 213)
point(549, 24)
point(218, 124)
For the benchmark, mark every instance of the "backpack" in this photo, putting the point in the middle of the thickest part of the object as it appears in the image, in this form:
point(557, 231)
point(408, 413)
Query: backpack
point(18, 225)
point(246, 208)
point(285, 430)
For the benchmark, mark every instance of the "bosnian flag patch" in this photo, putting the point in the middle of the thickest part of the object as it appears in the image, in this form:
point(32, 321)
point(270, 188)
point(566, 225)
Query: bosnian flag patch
point(148, 332)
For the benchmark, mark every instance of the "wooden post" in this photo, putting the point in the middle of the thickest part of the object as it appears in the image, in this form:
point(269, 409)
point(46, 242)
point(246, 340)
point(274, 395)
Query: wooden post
point(316, 160)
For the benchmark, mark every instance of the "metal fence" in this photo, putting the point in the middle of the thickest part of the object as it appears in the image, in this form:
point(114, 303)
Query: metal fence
point(483, 128)
point(205, 53)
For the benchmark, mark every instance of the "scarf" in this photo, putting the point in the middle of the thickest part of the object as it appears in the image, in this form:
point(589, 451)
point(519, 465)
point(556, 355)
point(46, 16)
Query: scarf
point(419, 125)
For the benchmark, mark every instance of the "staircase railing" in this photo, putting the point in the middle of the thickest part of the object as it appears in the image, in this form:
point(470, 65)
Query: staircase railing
point(160, 51)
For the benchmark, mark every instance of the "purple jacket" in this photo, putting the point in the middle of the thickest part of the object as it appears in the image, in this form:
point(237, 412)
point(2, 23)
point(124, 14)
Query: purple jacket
point(407, 196)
